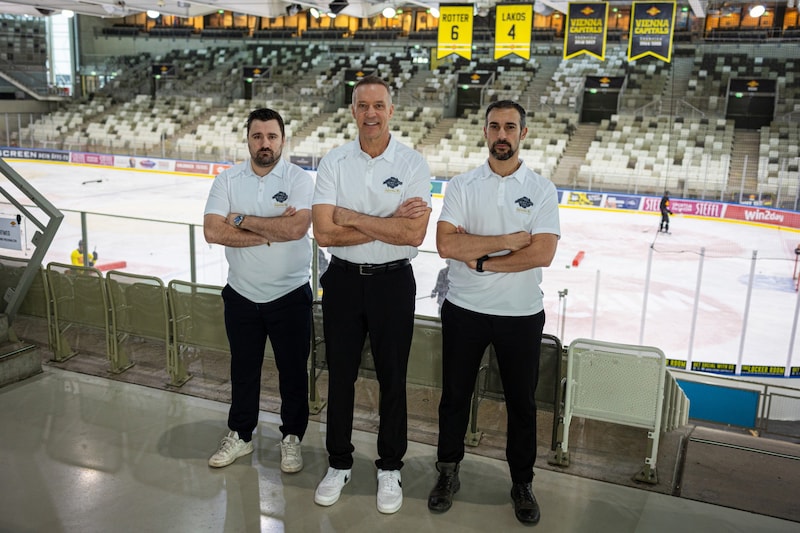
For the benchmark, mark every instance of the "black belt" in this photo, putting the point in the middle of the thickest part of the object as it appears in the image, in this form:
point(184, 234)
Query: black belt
point(366, 269)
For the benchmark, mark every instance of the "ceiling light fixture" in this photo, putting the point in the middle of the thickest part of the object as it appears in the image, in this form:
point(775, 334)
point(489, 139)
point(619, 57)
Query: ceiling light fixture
point(153, 14)
point(757, 10)
point(389, 12)
point(314, 12)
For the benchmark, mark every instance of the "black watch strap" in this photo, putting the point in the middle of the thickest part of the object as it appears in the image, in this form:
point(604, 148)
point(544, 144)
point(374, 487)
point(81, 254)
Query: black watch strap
point(481, 260)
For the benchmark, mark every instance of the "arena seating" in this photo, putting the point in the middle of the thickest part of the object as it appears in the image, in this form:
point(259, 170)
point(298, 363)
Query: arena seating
point(779, 159)
point(668, 132)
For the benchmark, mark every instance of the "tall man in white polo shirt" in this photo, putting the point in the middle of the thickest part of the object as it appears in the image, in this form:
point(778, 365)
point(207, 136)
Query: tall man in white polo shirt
point(371, 209)
point(499, 225)
point(260, 210)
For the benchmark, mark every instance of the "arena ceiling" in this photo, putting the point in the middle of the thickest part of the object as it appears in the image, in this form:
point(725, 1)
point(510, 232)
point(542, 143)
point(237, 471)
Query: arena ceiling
point(263, 8)
point(194, 8)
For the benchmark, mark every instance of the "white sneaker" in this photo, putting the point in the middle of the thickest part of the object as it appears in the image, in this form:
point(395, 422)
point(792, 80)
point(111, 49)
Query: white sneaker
point(330, 488)
point(390, 491)
point(230, 449)
point(291, 457)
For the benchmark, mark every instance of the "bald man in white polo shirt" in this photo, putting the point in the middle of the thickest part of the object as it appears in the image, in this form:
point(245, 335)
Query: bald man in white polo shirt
point(499, 225)
point(371, 209)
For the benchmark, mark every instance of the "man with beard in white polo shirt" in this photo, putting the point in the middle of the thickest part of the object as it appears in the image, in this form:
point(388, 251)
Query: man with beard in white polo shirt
point(260, 210)
point(498, 227)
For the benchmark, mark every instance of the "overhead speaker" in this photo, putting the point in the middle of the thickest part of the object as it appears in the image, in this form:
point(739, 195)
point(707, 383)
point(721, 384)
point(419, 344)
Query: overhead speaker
point(337, 6)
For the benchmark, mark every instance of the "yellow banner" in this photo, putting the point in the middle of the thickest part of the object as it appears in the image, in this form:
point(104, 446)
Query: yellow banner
point(513, 31)
point(455, 31)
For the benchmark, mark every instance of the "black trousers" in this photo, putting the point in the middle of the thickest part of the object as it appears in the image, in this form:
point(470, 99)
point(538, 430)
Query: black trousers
point(517, 342)
point(353, 306)
point(287, 323)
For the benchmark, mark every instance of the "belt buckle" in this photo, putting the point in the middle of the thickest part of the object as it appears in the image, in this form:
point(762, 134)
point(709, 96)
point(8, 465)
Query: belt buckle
point(363, 269)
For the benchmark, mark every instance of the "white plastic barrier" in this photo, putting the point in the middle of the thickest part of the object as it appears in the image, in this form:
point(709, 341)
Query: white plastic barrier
point(616, 383)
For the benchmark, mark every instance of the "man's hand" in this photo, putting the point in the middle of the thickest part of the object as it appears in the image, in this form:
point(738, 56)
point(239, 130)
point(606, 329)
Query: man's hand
point(288, 212)
point(411, 208)
point(343, 216)
point(517, 241)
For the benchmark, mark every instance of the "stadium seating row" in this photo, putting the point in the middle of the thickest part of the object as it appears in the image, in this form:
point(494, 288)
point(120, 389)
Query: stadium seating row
point(685, 144)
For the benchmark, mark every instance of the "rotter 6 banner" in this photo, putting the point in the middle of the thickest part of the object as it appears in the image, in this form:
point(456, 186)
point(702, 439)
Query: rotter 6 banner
point(455, 31)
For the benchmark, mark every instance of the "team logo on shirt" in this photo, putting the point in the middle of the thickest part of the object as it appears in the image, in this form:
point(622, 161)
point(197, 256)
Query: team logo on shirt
point(392, 183)
point(524, 202)
point(280, 197)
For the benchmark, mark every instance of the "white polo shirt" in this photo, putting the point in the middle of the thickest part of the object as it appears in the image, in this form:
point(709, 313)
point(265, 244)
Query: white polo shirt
point(487, 204)
point(264, 273)
point(349, 177)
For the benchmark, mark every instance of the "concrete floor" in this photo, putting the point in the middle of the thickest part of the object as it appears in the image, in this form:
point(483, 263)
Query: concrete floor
point(84, 453)
point(749, 483)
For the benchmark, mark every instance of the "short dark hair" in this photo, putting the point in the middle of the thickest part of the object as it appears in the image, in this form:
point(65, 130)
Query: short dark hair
point(372, 80)
point(507, 104)
point(265, 114)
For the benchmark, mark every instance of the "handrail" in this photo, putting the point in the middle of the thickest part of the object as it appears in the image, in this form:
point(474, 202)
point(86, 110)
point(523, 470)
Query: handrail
point(41, 239)
point(690, 106)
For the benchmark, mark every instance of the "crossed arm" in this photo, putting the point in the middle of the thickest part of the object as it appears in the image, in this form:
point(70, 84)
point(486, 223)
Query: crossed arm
point(526, 251)
point(253, 231)
point(339, 226)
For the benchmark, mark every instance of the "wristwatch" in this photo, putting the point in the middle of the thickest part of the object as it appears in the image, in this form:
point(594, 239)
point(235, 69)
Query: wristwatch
point(237, 220)
point(481, 260)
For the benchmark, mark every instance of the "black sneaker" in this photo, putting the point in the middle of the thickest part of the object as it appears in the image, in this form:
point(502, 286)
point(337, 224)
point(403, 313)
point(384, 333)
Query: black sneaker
point(525, 507)
point(441, 496)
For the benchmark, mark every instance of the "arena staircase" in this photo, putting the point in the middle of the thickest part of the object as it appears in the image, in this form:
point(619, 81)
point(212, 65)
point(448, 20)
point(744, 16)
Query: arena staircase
point(532, 97)
point(309, 127)
point(566, 174)
point(745, 150)
point(435, 135)
point(678, 84)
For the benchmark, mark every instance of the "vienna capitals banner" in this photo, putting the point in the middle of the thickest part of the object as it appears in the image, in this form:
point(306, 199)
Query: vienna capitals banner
point(586, 30)
point(652, 25)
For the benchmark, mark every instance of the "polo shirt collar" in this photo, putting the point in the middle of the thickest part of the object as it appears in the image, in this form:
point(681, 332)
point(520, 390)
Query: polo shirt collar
point(388, 154)
point(519, 174)
point(279, 170)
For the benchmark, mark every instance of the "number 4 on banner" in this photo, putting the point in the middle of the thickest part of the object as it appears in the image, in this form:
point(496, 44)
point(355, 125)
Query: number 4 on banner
point(513, 30)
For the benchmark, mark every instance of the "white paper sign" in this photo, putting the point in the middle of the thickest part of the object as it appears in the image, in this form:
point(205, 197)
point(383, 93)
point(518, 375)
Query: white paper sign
point(10, 234)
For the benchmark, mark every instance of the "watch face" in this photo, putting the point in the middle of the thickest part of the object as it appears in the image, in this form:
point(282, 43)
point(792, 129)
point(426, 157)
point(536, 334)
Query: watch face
point(238, 220)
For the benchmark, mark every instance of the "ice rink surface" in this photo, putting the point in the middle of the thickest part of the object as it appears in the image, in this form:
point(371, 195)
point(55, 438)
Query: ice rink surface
point(704, 297)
